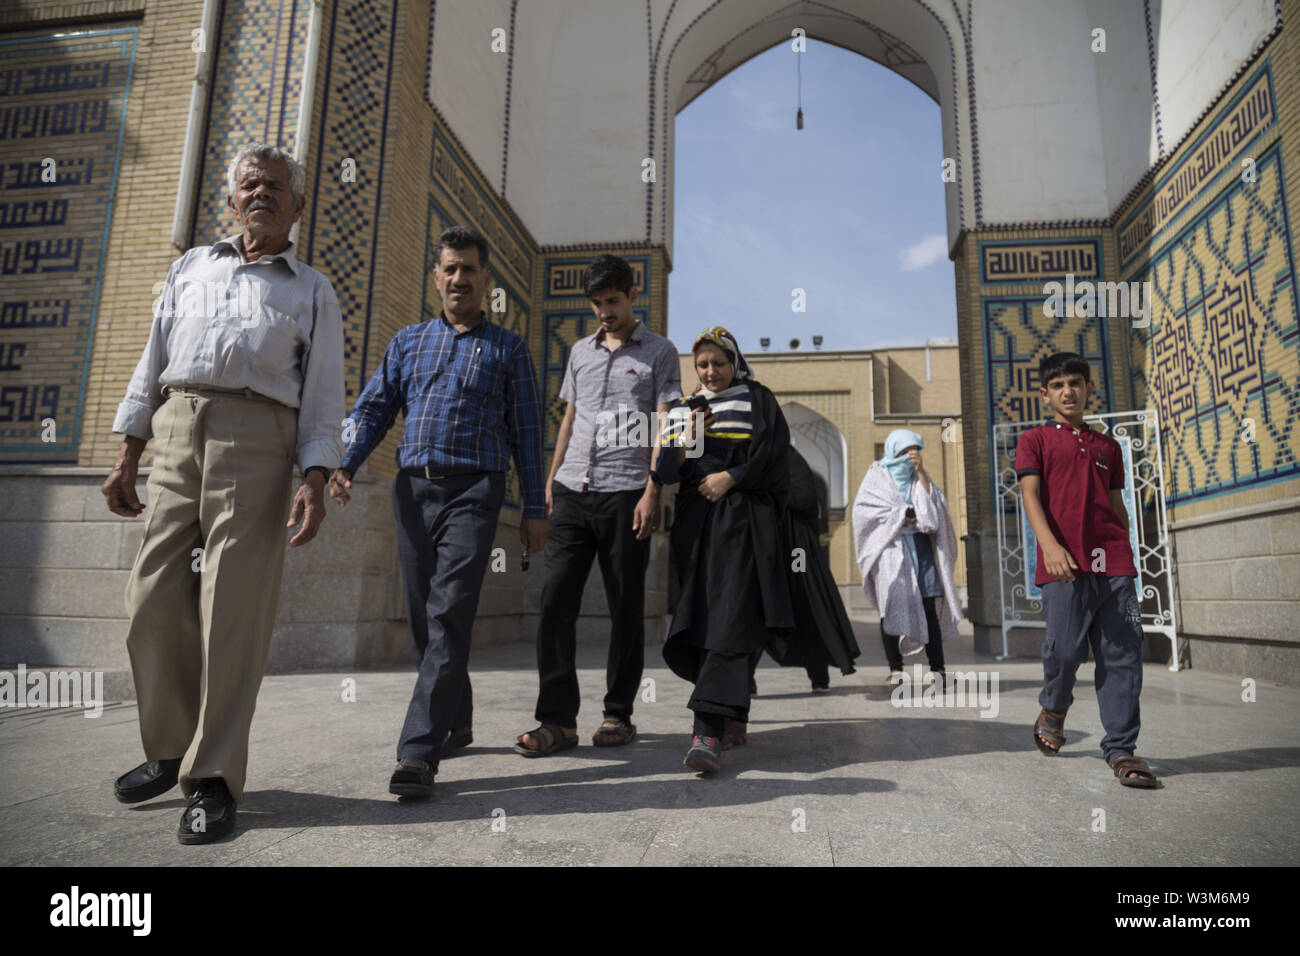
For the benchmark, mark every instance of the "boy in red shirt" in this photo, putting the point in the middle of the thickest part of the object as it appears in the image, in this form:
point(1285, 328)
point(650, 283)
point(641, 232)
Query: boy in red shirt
point(1072, 482)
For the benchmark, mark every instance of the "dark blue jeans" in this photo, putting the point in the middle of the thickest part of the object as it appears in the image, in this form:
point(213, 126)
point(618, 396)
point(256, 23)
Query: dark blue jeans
point(445, 531)
point(1103, 612)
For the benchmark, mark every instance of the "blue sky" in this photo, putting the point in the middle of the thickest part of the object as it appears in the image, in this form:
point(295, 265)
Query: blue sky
point(850, 208)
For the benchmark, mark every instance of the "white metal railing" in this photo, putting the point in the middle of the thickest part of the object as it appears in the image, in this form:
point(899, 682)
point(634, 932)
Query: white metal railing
point(1138, 433)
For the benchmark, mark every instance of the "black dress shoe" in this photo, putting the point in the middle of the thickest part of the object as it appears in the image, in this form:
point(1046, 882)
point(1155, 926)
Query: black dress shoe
point(147, 781)
point(210, 814)
point(457, 740)
point(412, 778)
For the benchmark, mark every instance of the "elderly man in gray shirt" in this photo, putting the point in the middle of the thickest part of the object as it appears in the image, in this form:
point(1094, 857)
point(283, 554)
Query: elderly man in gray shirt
point(242, 373)
point(602, 505)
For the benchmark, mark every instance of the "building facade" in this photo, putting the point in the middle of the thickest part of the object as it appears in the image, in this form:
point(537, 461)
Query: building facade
point(1101, 141)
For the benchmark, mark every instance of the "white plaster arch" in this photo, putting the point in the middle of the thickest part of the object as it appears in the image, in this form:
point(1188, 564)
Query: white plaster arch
point(911, 37)
point(1045, 131)
point(594, 86)
point(824, 447)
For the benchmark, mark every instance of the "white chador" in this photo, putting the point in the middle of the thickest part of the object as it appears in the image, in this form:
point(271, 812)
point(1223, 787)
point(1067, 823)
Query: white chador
point(888, 574)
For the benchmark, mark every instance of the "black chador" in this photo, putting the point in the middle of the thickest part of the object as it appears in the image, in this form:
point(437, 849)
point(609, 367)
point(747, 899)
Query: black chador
point(731, 593)
point(822, 633)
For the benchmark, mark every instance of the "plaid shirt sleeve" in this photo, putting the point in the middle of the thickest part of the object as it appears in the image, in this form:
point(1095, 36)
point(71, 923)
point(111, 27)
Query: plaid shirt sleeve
point(376, 408)
point(523, 419)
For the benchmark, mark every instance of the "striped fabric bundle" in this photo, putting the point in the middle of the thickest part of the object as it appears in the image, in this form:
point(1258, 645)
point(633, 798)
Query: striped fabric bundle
point(732, 411)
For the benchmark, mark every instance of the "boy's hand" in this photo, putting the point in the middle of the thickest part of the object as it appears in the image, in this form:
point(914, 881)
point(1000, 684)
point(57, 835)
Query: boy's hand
point(1059, 562)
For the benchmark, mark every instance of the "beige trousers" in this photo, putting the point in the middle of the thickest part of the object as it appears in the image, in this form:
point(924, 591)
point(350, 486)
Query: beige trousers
point(203, 590)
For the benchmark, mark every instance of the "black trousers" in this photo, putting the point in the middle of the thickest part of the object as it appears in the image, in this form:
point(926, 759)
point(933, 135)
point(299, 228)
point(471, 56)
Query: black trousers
point(721, 690)
point(584, 528)
point(933, 647)
point(445, 532)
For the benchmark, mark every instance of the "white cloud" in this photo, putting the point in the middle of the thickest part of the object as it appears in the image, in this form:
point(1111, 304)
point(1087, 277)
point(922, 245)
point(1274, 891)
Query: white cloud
point(924, 253)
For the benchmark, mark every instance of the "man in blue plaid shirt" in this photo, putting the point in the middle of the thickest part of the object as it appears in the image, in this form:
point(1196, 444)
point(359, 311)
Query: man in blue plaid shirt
point(468, 391)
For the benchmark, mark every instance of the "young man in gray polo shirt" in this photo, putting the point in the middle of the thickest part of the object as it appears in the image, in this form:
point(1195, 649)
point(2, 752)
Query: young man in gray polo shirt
point(602, 504)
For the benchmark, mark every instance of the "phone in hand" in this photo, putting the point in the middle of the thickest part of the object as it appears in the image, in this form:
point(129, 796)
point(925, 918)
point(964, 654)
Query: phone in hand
point(697, 402)
point(910, 513)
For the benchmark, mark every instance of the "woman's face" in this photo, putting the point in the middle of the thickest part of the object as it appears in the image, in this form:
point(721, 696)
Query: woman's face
point(712, 367)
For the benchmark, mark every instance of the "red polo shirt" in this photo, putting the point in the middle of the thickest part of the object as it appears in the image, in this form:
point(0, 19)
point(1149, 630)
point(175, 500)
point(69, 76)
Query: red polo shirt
point(1078, 468)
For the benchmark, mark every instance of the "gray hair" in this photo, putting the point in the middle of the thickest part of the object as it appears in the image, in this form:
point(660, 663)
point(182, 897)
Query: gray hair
point(297, 175)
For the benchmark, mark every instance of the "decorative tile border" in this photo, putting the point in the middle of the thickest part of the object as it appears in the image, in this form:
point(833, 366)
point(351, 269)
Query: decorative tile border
point(1247, 116)
point(1017, 262)
point(564, 276)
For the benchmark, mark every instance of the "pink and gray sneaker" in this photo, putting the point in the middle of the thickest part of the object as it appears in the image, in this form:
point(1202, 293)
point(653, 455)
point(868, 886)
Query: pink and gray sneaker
point(734, 734)
point(703, 755)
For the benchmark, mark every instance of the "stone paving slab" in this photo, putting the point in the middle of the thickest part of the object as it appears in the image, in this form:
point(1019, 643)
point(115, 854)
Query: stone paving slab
point(844, 778)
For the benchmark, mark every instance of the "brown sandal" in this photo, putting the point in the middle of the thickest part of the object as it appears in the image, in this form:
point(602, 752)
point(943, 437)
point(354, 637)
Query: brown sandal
point(1049, 732)
point(616, 732)
point(1145, 779)
point(551, 739)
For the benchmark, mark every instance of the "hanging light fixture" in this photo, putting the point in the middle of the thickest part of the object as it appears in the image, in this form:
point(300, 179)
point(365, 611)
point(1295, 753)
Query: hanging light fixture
point(798, 69)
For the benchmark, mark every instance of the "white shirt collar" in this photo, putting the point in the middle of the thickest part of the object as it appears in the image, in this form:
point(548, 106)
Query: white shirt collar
point(286, 254)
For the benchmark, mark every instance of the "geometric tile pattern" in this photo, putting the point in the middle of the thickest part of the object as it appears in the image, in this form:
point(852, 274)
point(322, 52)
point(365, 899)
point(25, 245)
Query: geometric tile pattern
point(561, 329)
point(567, 317)
point(1223, 352)
point(1017, 336)
point(256, 82)
point(349, 159)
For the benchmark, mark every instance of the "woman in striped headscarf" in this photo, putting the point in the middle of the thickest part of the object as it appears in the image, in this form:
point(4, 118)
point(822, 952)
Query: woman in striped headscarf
point(730, 597)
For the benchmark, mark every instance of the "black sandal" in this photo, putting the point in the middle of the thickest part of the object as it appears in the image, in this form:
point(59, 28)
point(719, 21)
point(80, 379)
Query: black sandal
point(622, 732)
point(551, 739)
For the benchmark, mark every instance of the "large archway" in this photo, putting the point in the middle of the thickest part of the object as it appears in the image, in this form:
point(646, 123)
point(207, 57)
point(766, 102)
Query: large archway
point(910, 39)
point(824, 448)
